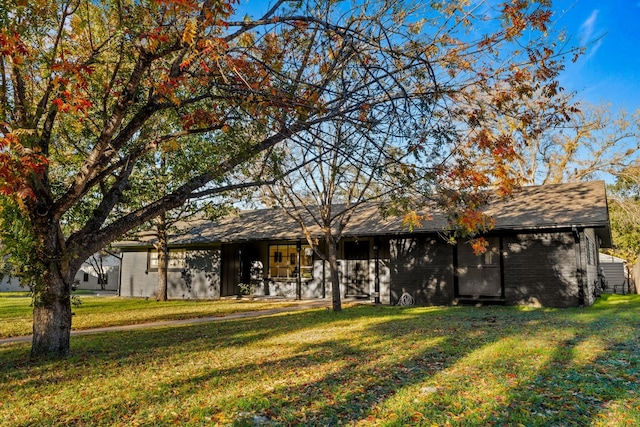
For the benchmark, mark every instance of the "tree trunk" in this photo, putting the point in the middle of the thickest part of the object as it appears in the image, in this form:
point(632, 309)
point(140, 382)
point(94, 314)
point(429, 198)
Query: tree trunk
point(52, 319)
point(332, 246)
point(163, 259)
point(52, 299)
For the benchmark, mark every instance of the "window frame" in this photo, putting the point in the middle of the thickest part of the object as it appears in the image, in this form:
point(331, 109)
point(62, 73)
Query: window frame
point(284, 257)
point(177, 259)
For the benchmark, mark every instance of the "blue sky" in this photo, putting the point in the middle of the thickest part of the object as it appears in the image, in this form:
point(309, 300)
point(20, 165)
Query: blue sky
point(609, 71)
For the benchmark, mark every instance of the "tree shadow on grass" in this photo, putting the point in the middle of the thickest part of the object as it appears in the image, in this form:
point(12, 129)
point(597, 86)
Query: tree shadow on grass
point(589, 375)
point(368, 365)
point(155, 347)
point(326, 381)
point(588, 378)
point(563, 390)
point(341, 381)
point(129, 347)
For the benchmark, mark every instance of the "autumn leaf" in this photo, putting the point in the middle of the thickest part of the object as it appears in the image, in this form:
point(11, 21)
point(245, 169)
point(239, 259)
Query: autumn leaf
point(189, 33)
point(411, 220)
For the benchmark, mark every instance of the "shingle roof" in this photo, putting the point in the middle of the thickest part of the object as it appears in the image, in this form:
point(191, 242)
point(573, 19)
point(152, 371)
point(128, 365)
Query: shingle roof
point(582, 204)
point(545, 207)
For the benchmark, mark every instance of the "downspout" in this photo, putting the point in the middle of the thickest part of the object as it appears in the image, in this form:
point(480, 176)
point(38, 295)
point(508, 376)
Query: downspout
point(119, 291)
point(503, 295)
point(580, 274)
point(456, 289)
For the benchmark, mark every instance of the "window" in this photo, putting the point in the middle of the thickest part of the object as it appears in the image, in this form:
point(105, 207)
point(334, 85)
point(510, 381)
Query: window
point(283, 261)
point(177, 259)
point(490, 258)
point(591, 255)
point(492, 255)
point(85, 277)
point(479, 275)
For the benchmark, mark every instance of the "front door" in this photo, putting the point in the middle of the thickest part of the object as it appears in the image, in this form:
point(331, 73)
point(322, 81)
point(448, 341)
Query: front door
point(230, 270)
point(237, 264)
point(480, 275)
point(356, 255)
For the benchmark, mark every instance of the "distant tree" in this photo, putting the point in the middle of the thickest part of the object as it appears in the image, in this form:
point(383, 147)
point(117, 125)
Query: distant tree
point(624, 214)
point(82, 80)
point(596, 142)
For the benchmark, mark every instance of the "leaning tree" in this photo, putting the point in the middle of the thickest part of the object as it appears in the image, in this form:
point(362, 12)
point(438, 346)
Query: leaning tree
point(88, 86)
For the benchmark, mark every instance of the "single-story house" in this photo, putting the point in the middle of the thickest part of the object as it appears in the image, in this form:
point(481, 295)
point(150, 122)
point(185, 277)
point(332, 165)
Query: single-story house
point(543, 251)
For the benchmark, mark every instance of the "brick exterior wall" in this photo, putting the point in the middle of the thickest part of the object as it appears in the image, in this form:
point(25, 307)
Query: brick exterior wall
point(538, 269)
point(423, 267)
point(541, 269)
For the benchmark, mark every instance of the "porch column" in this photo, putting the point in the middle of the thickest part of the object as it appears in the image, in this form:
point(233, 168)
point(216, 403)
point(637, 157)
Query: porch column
point(299, 278)
point(376, 282)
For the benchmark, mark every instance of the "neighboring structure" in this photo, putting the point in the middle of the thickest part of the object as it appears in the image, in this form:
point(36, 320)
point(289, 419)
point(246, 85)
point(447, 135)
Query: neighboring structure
point(10, 284)
point(100, 272)
point(86, 278)
point(615, 276)
point(542, 251)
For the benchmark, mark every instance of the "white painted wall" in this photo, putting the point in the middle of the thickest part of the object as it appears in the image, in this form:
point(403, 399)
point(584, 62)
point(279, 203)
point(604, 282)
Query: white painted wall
point(86, 278)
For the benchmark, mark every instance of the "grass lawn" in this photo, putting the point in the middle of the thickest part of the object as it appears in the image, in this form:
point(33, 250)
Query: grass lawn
point(94, 312)
point(387, 366)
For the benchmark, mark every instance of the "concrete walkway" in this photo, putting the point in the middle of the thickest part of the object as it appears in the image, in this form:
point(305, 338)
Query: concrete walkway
point(299, 305)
